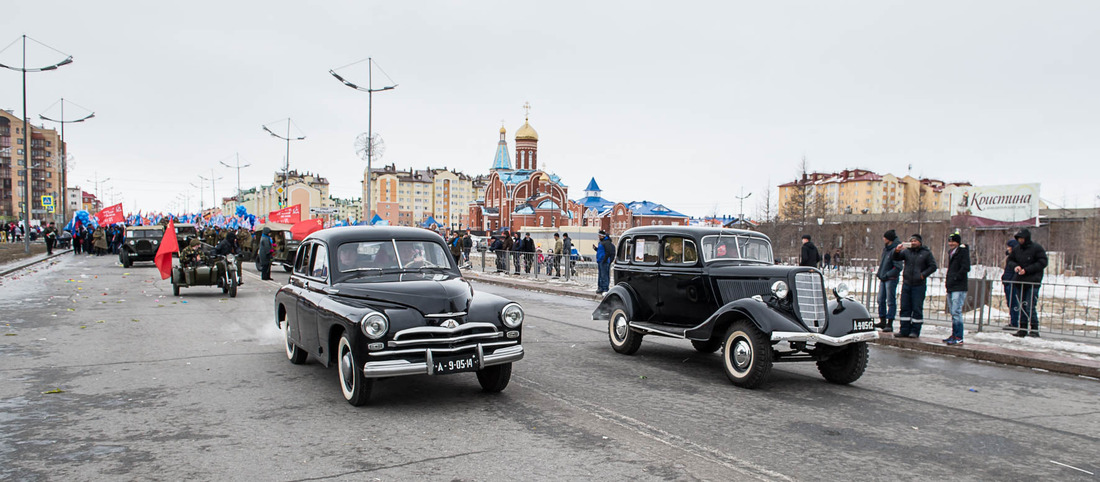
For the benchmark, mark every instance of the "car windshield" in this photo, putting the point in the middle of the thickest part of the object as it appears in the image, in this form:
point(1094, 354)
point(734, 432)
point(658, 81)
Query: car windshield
point(143, 233)
point(720, 248)
point(381, 256)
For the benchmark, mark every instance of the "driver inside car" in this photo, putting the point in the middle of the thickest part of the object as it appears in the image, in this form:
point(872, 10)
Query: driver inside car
point(348, 256)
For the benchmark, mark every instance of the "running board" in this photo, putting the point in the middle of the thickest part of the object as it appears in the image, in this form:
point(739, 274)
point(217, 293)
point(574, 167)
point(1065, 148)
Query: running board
point(658, 329)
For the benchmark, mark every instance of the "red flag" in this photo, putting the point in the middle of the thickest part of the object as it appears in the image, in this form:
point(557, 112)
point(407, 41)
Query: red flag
point(290, 215)
point(168, 245)
point(300, 230)
point(110, 215)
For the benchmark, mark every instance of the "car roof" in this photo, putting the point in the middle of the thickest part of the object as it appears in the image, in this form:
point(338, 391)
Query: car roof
point(345, 234)
point(693, 231)
point(147, 228)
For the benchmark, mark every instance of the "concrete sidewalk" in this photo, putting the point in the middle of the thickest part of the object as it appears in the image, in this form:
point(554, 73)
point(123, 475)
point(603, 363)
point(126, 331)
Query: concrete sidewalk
point(14, 266)
point(1058, 355)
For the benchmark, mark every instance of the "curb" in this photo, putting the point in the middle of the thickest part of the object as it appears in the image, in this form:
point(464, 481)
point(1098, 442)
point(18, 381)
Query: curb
point(1004, 356)
point(32, 263)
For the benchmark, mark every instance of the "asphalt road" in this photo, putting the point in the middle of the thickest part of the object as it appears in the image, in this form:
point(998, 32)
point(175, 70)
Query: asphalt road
point(198, 387)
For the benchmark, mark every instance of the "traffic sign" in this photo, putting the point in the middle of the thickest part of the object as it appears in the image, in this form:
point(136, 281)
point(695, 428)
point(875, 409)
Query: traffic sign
point(324, 210)
point(47, 200)
point(279, 190)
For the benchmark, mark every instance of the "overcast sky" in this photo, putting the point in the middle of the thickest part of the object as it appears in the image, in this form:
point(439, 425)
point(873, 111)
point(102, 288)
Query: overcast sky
point(682, 103)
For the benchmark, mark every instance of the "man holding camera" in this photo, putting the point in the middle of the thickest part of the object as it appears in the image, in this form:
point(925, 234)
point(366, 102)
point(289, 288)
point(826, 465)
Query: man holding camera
point(919, 265)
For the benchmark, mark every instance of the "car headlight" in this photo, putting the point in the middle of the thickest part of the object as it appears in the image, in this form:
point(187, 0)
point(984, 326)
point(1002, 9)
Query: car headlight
point(511, 315)
point(780, 289)
point(842, 290)
point(374, 325)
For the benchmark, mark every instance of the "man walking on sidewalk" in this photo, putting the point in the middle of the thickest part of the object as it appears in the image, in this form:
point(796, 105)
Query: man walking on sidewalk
point(1028, 262)
point(810, 256)
point(888, 272)
point(958, 266)
point(605, 254)
point(919, 265)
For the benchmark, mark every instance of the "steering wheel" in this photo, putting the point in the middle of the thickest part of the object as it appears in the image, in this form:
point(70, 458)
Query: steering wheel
point(419, 263)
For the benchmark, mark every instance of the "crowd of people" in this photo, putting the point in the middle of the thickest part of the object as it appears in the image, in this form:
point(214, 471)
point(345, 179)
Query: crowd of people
point(911, 263)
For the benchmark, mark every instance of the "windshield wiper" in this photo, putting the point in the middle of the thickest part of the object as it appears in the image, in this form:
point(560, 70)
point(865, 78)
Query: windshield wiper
point(360, 272)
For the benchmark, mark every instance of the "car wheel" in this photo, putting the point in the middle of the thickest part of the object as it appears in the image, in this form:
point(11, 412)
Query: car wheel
point(622, 338)
point(746, 355)
point(845, 366)
point(124, 258)
point(706, 346)
point(355, 386)
point(493, 379)
point(294, 353)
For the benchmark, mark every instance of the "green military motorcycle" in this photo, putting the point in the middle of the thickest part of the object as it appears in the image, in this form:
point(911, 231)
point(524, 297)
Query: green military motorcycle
point(220, 271)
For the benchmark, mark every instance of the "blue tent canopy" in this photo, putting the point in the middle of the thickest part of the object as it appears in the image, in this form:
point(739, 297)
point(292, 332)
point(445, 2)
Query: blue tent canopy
point(429, 222)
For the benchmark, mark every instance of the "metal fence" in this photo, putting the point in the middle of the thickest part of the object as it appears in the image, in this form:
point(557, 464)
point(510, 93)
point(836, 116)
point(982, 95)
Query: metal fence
point(1062, 308)
point(535, 266)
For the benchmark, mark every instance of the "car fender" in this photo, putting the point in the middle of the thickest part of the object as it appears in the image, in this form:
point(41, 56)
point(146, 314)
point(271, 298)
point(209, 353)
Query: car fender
point(841, 321)
point(766, 318)
point(620, 292)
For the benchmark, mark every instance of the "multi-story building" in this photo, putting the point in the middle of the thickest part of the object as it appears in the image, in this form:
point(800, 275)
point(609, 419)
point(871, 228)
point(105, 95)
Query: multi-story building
point(287, 189)
point(45, 174)
point(410, 197)
point(860, 191)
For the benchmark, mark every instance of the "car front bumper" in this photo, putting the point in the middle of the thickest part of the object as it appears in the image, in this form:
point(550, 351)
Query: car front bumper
point(485, 357)
point(825, 339)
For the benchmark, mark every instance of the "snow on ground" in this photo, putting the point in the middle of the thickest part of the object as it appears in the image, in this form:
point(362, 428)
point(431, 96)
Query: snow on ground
point(1005, 339)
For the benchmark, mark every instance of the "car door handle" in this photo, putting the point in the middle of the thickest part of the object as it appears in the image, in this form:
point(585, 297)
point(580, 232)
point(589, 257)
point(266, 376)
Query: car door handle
point(665, 275)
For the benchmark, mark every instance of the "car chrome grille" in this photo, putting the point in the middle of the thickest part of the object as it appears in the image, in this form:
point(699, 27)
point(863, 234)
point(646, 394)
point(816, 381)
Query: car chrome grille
point(810, 292)
point(143, 245)
point(733, 290)
point(421, 337)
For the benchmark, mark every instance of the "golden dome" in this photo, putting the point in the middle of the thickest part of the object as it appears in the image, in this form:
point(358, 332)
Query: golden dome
point(502, 130)
point(526, 132)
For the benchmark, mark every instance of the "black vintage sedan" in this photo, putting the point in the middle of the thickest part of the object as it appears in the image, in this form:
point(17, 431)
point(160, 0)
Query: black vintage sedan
point(719, 289)
point(389, 301)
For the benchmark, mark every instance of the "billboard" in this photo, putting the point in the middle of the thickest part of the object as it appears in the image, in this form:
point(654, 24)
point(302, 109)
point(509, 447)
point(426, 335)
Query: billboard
point(996, 206)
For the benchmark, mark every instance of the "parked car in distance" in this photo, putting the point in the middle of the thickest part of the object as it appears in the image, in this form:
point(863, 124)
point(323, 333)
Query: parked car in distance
point(141, 244)
point(719, 289)
point(382, 302)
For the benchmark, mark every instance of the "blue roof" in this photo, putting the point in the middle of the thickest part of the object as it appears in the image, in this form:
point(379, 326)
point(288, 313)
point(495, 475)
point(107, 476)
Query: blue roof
point(646, 208)
point(518, 176)
point(525, 209)
point(501, 159)
point(592, 186)
point(548, 204)
point(595, 202)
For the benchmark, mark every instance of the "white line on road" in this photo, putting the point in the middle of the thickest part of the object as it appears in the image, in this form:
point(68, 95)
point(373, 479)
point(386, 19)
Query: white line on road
point(1072, 467)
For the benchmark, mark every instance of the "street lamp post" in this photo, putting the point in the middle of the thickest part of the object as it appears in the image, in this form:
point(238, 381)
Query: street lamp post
point(742, 198)
point(370, 132)
point(213, 194)
point(286, 161)
point(64, 181)
point(200, 186)
point(27, 201)
point(238, 167)
point(96, 181)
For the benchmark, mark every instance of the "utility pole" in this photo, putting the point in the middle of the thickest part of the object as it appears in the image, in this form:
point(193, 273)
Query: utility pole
point(286, 161)
point(200, 186)
point(96, 181)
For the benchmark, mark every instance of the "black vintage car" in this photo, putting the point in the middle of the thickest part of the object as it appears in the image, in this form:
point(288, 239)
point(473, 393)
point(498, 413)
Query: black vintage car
point(389, 301)
point(141, 244)
point(719, 289)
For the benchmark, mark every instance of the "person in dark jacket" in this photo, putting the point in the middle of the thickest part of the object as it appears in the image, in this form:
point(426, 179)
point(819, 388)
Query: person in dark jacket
point(509, 245)
point(888, 272)
point(810, 256)
point(228, 245)
point(919, 265)
point(264, 252)
point(517, 251)
point(528, 246)
point(605, 255)
point(467, 245)
point(958, 266)
point(1028, 262)
point(567, 248)
point(1012, 295)
point(498, 250)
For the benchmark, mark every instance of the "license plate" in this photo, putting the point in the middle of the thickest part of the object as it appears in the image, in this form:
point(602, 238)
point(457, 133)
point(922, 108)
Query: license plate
point(455, 364)
point(863, 325)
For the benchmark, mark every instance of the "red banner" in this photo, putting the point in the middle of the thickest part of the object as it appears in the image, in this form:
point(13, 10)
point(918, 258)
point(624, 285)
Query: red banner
point(110, 215)
point(290, 215)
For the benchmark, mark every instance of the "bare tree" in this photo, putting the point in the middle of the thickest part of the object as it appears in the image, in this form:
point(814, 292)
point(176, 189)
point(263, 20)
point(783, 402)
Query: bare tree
point(800, 202)
point(764, 208)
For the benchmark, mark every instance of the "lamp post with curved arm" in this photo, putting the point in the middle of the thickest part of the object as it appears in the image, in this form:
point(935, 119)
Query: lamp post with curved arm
point(370, 134)
point(286, 162)
point(27, 201)
point(64, 181)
